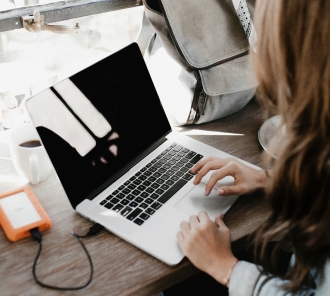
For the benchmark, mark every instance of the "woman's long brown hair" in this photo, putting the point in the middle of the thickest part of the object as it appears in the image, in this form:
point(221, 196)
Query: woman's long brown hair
point(292, 63)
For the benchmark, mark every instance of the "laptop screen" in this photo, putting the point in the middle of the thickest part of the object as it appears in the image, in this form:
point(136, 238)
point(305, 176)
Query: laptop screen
point(99, 120)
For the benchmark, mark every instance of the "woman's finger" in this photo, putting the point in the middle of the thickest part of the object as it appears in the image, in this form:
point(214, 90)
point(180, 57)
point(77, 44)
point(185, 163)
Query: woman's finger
point(184, 227)
point(230, 190)
point(222, 226)
point(180, 237)
point(218, 175)
point(193, 221)
point(201, 163)
point(211, 165)
point(219, 221)
point(203, 217)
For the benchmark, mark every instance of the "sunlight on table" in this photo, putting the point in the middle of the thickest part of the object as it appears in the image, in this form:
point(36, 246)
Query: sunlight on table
point(196, 132)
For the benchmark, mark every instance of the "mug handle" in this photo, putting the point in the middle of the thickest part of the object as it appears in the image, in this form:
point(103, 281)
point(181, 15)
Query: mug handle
point(34, 175)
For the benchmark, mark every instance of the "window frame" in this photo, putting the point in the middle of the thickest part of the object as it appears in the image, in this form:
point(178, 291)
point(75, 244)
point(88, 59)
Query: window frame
point(61, 11)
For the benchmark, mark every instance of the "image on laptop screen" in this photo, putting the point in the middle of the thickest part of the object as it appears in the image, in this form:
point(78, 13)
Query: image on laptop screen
point(97, 121)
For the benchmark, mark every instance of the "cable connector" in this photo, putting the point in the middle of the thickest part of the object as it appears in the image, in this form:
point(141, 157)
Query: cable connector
point(36, 234)
point(95, 229)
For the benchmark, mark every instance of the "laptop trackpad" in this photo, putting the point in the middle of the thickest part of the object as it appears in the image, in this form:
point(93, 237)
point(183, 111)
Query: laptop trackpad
point(195, 201)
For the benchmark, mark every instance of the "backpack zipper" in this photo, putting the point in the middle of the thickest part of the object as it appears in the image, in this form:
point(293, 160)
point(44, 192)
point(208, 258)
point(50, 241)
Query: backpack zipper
point(202, 102)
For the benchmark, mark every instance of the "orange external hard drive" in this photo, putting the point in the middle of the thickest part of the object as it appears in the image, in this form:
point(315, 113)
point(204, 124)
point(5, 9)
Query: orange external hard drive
point(20, 211)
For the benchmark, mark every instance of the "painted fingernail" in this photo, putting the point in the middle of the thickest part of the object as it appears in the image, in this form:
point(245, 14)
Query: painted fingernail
point(221, 192)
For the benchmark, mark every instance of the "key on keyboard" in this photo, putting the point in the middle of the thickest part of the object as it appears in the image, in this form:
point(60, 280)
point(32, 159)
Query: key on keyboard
point(145, 192)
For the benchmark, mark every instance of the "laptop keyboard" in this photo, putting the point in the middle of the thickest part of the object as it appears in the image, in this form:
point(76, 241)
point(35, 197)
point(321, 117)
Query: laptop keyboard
point(145, 192)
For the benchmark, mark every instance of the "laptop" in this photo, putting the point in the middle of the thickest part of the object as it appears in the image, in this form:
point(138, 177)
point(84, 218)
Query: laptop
point(115, 154)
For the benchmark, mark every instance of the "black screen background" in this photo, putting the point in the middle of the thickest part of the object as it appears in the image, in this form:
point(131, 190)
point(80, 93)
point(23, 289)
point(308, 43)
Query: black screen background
point(121, 88)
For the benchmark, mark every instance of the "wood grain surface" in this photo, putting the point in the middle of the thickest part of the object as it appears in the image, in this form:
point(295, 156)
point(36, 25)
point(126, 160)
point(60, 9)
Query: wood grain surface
point(119, 268)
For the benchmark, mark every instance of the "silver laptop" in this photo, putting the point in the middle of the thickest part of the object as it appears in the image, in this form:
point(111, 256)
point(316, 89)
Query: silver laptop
point(118, 160)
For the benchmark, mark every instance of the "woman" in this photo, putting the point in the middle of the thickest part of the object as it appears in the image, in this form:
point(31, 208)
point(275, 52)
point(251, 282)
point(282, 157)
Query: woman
point(292, 63)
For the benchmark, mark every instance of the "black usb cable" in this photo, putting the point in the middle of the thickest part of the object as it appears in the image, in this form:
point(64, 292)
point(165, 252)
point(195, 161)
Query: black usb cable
point(36, 234)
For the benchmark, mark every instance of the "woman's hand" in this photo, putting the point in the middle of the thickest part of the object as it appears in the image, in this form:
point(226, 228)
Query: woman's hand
point(246, 179)
point(207, 245)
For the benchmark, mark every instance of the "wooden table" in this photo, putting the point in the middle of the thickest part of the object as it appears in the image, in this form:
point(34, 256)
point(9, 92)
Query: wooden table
point(119, 268)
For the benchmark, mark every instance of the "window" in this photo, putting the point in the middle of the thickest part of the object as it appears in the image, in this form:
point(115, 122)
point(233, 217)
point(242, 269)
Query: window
point(31, 62)
point(56, 10)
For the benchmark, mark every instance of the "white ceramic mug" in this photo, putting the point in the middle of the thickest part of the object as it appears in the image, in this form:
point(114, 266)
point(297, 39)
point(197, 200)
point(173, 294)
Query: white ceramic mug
point(30, 162)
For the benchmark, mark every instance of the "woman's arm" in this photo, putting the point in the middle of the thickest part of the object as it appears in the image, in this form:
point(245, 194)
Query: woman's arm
point(207, 245)
point(246, 279)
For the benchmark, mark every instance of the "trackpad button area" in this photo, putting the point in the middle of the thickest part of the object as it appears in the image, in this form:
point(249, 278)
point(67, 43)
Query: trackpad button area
point(195, 201)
